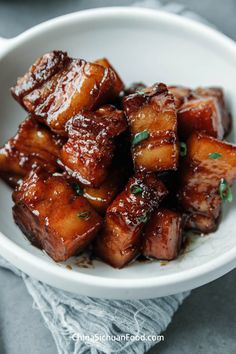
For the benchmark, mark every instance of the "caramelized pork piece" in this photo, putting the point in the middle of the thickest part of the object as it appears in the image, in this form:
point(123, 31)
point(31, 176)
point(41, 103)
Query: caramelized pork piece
point(33, 145)
point(200, 114)
point(101, 197)
point(57, 87)
point(163, 235)
point(153, 122)
point(53, 217)
point(206, 175)
point(218, 94)
point(120, 240)
point(118, 85)
point(204, 109)
point(201, 223)
point(180, 93)
point(88, 153)
point(42, 70)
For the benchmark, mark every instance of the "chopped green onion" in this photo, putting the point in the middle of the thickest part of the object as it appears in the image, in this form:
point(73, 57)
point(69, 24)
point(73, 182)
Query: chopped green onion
point(140, 90)
point(143, 218)
point(214, 155)
point(77, 188)
point(183, 149)
point(140, 137)
point(225, 191)
point(135, 189)
point(84, 214)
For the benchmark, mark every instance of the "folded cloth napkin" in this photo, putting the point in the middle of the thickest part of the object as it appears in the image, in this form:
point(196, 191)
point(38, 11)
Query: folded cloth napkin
point(82, 324)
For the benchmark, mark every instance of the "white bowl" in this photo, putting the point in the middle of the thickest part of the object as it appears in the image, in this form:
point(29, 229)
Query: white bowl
point(144, 45)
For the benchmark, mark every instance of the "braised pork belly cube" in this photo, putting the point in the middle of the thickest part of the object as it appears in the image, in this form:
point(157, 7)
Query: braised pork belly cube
point(218, 94)
point(65, 87)
point(120, 239)
point(163, 235)
point(42, 70)
point(118, 85)
point(153, 122)
point(206, 176)
point(88, 153)
point(101, 197)
point(53, 217)
point(200, 114)
point(202, 224)
point(33, 145)
point(180, 93)
point(204, 110)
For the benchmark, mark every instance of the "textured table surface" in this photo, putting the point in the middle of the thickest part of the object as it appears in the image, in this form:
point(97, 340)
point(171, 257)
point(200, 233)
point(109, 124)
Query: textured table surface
point(206, 323)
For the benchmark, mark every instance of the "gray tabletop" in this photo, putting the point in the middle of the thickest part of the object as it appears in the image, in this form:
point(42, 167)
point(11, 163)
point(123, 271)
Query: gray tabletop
point(206, 322)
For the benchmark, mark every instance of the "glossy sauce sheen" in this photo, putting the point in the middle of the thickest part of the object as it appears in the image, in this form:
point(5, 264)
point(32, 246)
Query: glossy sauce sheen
point(53, 217)
point(163, 235)
point(153, 110)
point(97, 165)
point(218, 94)
point(66, 87)
point(202, 109)
point(33, 145)
point(200, 114)
point(88, 153)
point(200, 177)
point(101, 197)
point(120, 241)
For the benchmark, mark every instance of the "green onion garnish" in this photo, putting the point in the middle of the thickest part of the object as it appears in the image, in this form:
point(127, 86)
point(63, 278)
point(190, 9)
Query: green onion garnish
point(140, 137)
point(135, 189)
point(214, 155)
point(84, 214)
point(77, 188)
point(183, 149)
point(225, 191)
point(140, 90)
point(143, 218)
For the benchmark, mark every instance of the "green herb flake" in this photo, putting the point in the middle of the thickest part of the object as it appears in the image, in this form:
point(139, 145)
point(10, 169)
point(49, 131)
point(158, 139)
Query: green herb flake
point(136, 189)
point(183, 149)
point(215, 155)
point(225, 191)
point(143, 218)
point(77, 188)
point(84, 214)
point(140, 90)
point(140, 137)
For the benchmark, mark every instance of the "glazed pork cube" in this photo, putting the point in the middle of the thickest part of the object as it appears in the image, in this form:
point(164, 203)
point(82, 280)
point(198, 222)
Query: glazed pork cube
point(163, 235)
point(180, 93)
point(101, 197)
point(41, 71)
point(200, 114)
point(118, 85)
point(153, 122)
point(218, 94)
point(120, 239)
point(57, 87)
point(206, 175)
point(88, 153)
point(204, 110)
point(200, 223)
point(33, 145)
point(53, 217)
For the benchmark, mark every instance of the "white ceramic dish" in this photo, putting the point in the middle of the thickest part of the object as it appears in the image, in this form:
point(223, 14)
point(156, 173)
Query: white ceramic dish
point(143, 45)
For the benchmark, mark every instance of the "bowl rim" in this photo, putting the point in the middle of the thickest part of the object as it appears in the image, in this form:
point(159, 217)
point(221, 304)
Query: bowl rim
point(9, 249)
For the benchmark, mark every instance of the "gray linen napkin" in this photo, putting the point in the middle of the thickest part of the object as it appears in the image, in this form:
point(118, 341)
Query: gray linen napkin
point(82, 324)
